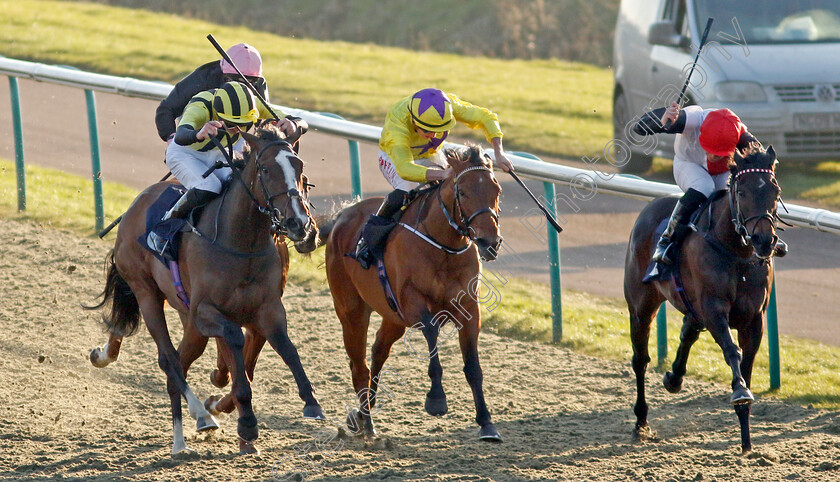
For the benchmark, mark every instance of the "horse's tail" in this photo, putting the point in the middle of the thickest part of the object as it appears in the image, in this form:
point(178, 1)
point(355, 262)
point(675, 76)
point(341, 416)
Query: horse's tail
point(125, 311)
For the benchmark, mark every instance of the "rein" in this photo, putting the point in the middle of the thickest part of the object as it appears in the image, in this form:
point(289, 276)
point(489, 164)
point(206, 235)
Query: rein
point(276, 216)
point(463, 229)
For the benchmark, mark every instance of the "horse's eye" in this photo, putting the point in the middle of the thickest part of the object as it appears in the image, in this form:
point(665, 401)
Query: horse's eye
point(265, 170)
point(741, 193)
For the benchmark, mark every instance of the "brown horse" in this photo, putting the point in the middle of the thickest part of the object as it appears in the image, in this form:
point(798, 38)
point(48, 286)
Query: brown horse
point(431, 260)
point(725, 273)
point(233, 273)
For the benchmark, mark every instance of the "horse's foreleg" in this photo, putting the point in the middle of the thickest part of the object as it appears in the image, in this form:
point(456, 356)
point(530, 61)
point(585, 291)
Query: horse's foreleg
point(104, 355)
point(354, 315)
point(639, 335)
point(468, 339)
point(233, 342)
point(749, 338)
point(254, 343)
point(436, 398)
point(271, 322)
point(719, 329)
point(689, 334)
point(386, 336)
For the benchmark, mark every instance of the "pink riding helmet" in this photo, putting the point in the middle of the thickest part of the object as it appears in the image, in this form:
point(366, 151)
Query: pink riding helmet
point(246, 58)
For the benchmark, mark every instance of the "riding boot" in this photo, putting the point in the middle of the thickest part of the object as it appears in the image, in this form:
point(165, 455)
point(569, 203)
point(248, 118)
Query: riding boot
point(781, 249)
point(677, 228)
point(377, 228)
point(191, 199)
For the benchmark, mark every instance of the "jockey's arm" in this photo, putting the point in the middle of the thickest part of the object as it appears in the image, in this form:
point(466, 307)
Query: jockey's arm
point(652, 123)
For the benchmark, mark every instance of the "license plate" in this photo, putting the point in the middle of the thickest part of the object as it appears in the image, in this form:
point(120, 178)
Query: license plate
point(827, 121)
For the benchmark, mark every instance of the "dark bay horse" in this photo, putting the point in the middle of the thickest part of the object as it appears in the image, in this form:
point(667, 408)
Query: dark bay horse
point(726, 275)
point(431, 258)
point(233, 273)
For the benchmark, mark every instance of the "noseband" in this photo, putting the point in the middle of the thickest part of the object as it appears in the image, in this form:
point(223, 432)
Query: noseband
point(278, 219)
point(735, 207)
point(463, 228)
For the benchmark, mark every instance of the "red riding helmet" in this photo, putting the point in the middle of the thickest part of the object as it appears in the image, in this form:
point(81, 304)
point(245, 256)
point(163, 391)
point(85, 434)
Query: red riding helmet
point(720, 132)
point(246, 58)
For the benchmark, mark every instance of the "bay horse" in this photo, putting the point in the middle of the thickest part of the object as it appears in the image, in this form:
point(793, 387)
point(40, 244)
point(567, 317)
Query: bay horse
point(233, 273)
point(726, 276)
point(431, 258)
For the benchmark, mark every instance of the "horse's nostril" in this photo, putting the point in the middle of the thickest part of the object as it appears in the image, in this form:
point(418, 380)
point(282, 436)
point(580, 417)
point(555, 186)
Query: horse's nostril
point(292, 224)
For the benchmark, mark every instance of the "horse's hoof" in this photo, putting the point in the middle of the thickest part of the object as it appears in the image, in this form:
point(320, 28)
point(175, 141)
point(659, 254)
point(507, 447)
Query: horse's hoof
point(212, 404)
point(671, 383)
point(741, 396)
point(358, 424)
point(436, 406)
point(246, 428)
point(248, 448)
point(183, 453)
point(217, 380)
point(98, 358)
point(643, 433)
point(488, 433)
point(313, 412)
point(203, 424)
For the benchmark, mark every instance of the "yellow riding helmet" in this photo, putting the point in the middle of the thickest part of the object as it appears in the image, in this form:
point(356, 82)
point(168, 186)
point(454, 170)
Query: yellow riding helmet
point(431, 110)
point(234, 103)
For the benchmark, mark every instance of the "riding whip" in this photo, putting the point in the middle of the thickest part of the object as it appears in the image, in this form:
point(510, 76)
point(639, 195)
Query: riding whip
point(244, 79)
point(696, 58)
point(547, 214)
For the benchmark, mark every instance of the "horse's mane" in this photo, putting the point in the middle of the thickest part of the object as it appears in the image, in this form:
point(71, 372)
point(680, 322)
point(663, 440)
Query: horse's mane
point(471, 153)
point(754, 156)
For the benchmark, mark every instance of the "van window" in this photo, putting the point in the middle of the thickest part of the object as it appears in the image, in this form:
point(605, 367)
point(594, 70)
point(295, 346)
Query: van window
point(775, 21)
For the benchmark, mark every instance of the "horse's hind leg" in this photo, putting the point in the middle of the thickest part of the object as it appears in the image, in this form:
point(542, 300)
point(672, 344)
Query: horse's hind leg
point(151, 306)
point(220, 376)
point(640, 335)
point(104, 355)
point(688, 335)
point(191, 347)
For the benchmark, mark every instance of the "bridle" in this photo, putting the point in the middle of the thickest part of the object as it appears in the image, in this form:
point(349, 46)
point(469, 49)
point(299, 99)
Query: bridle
point(738, 219)
point(462, 225)
point(278, 219)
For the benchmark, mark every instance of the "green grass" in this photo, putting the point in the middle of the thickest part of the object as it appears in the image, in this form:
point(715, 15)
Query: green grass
point(546, 106)
point(593, 325)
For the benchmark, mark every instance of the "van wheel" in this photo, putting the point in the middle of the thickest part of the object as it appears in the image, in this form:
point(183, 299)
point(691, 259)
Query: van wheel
point(636, 163)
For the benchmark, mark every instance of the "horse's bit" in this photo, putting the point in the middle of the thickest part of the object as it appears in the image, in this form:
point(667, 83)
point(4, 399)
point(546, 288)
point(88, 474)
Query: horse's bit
point(278, 220)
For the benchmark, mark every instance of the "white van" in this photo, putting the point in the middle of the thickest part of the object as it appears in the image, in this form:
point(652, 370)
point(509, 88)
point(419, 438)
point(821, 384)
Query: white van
point(775, 63)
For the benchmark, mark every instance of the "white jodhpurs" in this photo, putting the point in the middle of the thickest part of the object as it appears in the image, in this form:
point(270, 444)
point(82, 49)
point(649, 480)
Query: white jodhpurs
point(690, 175)
point(390, 172)
point(187, 165)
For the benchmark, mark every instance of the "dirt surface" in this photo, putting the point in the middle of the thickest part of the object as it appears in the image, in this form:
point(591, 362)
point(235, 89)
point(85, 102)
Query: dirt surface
point(562, 415)
point(592, 245)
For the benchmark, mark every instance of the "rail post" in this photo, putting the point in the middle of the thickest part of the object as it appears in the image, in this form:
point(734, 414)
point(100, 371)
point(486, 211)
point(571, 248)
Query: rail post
point(20, 166)
point(355, 163)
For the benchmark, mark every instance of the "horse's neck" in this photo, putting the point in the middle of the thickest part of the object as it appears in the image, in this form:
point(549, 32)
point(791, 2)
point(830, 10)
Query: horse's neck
point(723, 228)
point(239, 224)
point(435, 223)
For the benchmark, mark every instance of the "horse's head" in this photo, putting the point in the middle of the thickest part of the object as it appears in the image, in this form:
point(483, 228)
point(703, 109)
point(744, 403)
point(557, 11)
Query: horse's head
point(279, 186)
point(476, 199)
point(753, 195)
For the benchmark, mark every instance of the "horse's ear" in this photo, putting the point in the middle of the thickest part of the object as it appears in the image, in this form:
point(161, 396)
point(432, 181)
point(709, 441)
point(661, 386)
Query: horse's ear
point(771, 152)
point(250, 138)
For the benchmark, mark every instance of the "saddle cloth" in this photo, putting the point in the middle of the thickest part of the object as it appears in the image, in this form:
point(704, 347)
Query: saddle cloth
point(167, 230)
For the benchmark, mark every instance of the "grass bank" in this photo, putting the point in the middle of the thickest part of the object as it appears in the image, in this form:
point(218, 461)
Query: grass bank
point(594, 325)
